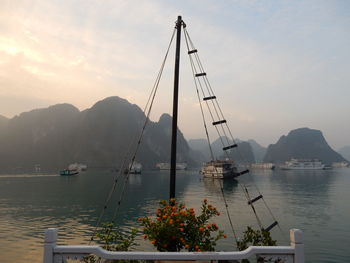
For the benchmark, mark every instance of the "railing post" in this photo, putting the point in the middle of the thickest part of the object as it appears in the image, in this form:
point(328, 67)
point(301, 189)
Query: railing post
point(297, 242)
point(50, 243)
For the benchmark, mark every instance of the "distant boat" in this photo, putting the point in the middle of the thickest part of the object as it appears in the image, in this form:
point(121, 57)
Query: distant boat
point(68, 172)
point(303, 164)
point(77, 166)
point(219, 169)
point(135, 168)
point(340, 164)
point(267, 166)
point(37, 168)
point(166, 166)
point(73, 169)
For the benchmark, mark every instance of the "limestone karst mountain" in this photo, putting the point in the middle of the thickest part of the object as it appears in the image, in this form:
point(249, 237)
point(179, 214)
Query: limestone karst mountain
point(303, 143)
point(99, 136)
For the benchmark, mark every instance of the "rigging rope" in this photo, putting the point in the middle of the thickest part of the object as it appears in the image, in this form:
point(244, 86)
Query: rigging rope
point(145, 124)
point(206, 130)
point(147, 109)
point(219, 114)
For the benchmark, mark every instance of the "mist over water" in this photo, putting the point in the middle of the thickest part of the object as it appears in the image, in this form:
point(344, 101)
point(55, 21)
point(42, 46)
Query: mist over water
point(314, 201)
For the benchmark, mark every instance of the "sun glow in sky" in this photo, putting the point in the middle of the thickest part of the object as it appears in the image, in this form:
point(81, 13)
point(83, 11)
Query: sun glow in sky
point(274, 65)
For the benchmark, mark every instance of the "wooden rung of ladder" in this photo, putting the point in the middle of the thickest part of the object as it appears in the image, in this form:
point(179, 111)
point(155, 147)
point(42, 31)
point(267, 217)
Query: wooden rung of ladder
point(210, 98)
point(244, 172)
point(271, 226)
point(255, 199)
point(201, 74)
point(192, 51)
point(229, 147)
point(219, 122)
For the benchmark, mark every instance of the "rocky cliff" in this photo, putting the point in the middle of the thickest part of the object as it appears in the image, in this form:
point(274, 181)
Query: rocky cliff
point(303, 143)
point(100, 136)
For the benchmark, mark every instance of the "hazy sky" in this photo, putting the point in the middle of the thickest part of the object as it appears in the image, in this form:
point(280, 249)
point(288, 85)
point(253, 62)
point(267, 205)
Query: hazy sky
point(274, 65)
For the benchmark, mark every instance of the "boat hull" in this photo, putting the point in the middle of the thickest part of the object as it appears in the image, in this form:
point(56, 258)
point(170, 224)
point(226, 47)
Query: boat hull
point(302, 168)
point(68, 172)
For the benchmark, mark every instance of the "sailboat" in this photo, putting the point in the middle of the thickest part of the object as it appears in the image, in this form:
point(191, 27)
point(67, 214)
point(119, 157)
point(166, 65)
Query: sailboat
point(293, 253)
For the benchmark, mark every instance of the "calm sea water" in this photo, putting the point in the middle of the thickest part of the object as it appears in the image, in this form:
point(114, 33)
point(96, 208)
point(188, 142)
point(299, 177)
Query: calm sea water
point(318, 202)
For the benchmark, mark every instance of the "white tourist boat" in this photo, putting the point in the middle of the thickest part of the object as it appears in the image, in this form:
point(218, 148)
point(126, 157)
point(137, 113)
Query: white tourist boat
point(340, 164)
point(134, 168)
point(219, 169)
point(166, 166)
point(303, 164)
point(77, 166)
point(266, 166)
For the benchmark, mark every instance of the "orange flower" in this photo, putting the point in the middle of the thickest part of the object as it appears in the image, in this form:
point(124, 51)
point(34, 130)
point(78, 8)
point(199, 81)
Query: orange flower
point(158, 218)
point(201, 229)
point(208, 226)
point(164, 216)
point(187, 246)
point(171, 221)
point(196, 247)
point(225, 236)
point(181, 229)
point(153, 242)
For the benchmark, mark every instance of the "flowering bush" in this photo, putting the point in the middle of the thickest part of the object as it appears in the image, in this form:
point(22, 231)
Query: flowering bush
point(177, 227)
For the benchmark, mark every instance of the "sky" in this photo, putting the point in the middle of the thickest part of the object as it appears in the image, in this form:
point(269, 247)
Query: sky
point(273, 65)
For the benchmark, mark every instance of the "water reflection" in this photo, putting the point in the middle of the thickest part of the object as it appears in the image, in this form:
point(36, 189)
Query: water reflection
point(313, 201)
point(214, 185)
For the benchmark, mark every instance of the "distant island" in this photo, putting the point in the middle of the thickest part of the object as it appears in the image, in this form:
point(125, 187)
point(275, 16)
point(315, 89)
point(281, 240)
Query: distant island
point(303, 143)
point(100, 136)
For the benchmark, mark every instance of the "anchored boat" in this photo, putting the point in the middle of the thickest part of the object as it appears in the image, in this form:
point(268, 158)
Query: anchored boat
point(303, 164)
point(166, 166)
point(68, 172)
point(219, 169)
point(134, 168)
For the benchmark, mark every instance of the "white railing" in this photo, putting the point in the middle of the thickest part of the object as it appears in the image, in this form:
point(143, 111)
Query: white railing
point(287, 254)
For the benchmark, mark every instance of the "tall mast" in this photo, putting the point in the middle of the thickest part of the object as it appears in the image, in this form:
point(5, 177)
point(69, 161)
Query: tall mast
point(175, 104)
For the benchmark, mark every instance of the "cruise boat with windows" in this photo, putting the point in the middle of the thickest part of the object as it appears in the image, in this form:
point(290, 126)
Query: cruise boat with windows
point(166, 166)
point(303, 164)
point(219, 169)
point(266, 166)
